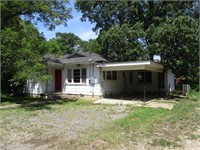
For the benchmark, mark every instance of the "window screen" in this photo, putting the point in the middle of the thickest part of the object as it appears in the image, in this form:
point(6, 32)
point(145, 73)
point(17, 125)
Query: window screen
point(76, 75)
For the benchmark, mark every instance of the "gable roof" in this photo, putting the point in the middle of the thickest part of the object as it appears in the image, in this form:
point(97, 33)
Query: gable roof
point(75, 58)
point(76, 54)
point(82, 57)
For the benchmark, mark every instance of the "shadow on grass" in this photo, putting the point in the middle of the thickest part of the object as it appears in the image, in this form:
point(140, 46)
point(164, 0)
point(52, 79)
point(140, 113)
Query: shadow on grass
point(175, 97)
point(31, 103)
point(148, 97)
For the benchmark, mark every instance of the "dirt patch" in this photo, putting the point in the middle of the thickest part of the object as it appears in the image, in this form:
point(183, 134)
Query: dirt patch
point(97, 143)
point(151, 104)
point(159, 105)
point(40, 142)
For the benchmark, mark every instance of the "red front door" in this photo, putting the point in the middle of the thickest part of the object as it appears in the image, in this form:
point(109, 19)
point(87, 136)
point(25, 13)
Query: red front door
point(58, 78)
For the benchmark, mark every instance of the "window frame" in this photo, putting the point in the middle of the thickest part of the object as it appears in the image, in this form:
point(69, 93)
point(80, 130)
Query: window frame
point(69, 74)
point(82, 78)
point(77, 75)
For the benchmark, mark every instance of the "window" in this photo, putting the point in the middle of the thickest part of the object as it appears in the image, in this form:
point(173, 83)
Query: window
point(123, 74)
point(148, 76)
point(83, 75)
point(77, 75)
point(111, 75)
point(161, 80)
point(114, 75)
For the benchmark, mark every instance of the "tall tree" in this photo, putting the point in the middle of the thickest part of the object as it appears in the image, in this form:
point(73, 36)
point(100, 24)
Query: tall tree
point(120, 43)
point(92, 45)
point(51, 13)
point(67, 42)
point(53, 47)
point(159, 27)
point(107, 13)
point(22, 46)
point(176, 41)
point(21, 56)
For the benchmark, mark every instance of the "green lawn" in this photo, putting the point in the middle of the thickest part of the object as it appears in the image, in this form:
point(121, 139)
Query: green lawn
point(82, 125)
point(154, 127)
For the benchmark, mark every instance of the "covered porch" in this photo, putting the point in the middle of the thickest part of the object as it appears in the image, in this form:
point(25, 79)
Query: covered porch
point(127, 80)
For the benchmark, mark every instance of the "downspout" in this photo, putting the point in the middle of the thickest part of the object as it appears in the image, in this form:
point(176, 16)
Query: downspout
point(101, 77)
point(46, 87)
point(90, 74)
point(92, 65)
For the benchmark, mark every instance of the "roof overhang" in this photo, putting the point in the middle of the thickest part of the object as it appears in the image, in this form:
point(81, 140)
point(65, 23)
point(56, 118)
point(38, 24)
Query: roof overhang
point(137, 65)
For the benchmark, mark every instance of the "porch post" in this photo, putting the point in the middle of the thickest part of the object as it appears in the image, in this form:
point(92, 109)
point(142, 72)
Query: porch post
point(144, 85)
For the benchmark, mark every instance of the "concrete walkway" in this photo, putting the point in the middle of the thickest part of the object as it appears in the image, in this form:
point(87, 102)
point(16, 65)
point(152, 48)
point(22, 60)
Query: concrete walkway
point(151, 104)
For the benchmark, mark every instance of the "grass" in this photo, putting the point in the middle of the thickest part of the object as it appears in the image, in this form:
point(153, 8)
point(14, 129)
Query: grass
point(37, 123)
point(142, 126)
point(32, 104)
point(163, 143)
point(194, 95)
point(160, 127)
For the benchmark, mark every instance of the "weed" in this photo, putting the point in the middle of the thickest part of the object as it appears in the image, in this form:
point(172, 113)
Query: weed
point(194, 95)
point(164, 143)
point(165, 128)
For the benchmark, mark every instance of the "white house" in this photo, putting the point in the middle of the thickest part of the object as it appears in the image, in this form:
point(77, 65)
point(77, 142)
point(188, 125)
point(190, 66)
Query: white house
point(88, 73)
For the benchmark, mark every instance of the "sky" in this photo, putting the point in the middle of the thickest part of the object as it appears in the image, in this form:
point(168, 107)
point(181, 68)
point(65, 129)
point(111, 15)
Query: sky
point(75, 25)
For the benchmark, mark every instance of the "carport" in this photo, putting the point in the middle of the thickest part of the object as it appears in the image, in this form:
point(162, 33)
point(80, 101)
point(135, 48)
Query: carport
point(140, 66)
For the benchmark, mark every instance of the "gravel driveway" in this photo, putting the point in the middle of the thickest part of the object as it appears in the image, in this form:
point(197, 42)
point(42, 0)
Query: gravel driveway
point(43, 128)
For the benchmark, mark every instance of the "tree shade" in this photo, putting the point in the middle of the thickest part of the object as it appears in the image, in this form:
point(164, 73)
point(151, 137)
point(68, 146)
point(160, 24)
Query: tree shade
point(135, 30)
point(22, 46)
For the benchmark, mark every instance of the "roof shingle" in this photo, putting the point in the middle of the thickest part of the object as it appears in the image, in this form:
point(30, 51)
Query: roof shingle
point(75, 58)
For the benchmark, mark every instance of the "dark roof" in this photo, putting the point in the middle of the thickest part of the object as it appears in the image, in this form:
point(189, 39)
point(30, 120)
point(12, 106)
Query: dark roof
point(75, 58)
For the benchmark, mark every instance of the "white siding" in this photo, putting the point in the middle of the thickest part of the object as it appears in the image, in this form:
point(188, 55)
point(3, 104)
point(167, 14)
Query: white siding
point(112, 86)
point(51, 83)
point(35, 87)
point(82, 88)
point(87, 88)
point(42, 87)
point(96, 85)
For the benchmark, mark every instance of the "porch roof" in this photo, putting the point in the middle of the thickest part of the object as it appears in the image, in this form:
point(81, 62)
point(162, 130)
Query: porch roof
point(134, 65)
